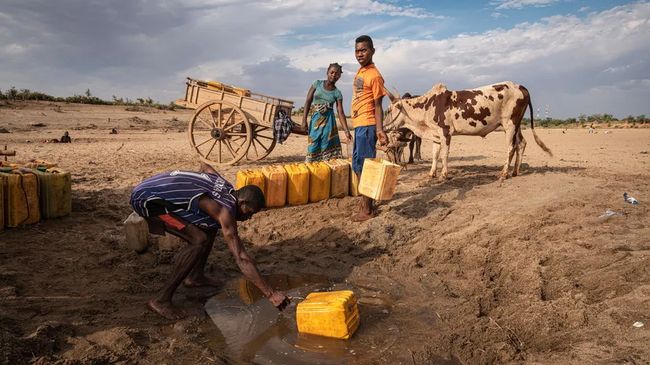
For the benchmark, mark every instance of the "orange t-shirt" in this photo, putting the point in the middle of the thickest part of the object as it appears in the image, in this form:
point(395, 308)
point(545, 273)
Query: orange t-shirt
point(367, 87)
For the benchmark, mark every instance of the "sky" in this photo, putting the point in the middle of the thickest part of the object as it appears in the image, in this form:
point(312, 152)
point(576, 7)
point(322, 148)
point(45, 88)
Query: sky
point(575, 57)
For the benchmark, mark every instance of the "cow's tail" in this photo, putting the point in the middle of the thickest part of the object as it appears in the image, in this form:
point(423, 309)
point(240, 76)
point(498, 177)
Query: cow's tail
point(532, 128)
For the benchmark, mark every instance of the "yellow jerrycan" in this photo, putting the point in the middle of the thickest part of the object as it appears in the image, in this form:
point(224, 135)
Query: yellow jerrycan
point(378, 178)
point(340, 180)
point(56, 192)
point(330, 314)
point(20, 197)
point(297, 183)
point(249, 177)
point(354, 181)
point(276, 186)
point(319, 181)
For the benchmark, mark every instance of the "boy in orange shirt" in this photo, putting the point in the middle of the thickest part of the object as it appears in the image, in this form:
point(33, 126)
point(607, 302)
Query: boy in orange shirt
point(367, 115)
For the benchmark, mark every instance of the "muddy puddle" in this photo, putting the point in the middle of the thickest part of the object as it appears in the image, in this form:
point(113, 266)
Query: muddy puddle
point(255, 332)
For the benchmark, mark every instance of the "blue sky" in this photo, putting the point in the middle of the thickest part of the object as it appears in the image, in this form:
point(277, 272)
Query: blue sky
point(574, 56)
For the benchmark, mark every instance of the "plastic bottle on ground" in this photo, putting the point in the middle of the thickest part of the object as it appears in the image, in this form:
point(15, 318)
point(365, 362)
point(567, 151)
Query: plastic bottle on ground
point(630, 199)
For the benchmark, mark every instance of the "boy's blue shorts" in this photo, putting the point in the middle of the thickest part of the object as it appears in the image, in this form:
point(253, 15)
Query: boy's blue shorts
point(365, 141)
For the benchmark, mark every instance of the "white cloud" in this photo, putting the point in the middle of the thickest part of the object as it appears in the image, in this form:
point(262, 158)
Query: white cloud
point(344, 8)
point(142, 49)
point(519, 4)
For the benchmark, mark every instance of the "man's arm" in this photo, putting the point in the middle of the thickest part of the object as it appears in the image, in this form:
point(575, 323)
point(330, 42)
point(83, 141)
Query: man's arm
point(379, 118)
point(343, 120)
point(207, 168)
point(243, 260)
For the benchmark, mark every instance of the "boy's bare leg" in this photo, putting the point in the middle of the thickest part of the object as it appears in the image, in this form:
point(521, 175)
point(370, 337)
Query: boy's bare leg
point(197, 277)
point(185, 262)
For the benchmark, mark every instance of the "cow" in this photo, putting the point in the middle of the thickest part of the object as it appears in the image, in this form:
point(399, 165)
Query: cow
point(398, 139)
point(441, 113)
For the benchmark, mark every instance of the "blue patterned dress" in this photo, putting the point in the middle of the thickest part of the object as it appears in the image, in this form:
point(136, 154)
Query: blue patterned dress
point(324, 142)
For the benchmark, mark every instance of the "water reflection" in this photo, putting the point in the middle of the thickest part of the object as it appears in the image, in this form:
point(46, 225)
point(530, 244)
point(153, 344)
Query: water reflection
point(255, 331)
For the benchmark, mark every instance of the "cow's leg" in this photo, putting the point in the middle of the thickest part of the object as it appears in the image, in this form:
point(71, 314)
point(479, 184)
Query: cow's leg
point(445, 156)
point(418, 145)
point(521, 146)
point(510, 142)
point(434, 162)
point(411, 148)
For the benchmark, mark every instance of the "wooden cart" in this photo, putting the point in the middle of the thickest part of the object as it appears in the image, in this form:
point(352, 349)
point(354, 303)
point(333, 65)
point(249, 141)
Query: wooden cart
point(230, 123)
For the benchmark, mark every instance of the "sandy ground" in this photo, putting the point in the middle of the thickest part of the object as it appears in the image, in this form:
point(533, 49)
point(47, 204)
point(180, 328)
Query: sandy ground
point(476, 271)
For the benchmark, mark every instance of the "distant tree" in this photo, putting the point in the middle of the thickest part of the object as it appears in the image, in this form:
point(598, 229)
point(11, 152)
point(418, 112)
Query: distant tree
point(582, 118)
point(88, 94)
point(12, 93)
point(2, 96)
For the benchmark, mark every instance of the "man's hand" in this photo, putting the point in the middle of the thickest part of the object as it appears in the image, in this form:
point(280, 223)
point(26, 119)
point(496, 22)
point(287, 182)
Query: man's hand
point(348, 136)
point(279, 300)
point(381, 136)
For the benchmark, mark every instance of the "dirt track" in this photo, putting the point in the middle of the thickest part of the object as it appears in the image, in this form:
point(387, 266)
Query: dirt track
point(476, 271)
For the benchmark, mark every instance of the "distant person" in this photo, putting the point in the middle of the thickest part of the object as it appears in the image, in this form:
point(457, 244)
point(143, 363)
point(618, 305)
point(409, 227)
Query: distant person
point(193, 206)
point(66, 138)
point(113, 131)
point(367, 115)
point(323, 134)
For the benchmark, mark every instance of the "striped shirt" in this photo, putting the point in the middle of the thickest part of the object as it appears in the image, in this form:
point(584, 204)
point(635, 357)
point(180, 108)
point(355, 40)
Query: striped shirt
point(178, 192)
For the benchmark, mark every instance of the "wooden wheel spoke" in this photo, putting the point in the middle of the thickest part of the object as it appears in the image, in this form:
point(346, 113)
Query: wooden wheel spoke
point(214, 122)
point(225, 122)
point(219, 117)
point(237, 134)
point(204, 142)
point(211, 148)
point(254, 147)
point(226, 129)
point(261, 144)
point(227, 143)
point(204, 122)
point(265, 137)
point(219, 149)
point(239, 146)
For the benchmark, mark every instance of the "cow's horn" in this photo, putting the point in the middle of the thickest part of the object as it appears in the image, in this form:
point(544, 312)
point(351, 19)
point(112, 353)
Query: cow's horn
point(391, 96)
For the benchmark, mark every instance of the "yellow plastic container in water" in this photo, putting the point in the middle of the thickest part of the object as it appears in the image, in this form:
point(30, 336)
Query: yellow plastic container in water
point(378, 178)
point(56, 192)
point(297, 183)
point(319, 181)
point(340, 181)
point(21, 197)
point(330, 314)
point(354, 181)
point(275, 185)
point(250, 177)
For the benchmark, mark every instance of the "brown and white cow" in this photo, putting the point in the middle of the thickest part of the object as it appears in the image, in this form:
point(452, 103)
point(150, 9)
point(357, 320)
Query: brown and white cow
point(441, 113)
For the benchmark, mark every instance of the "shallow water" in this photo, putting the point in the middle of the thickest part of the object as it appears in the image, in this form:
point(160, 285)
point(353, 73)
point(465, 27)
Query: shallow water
point(256, 332)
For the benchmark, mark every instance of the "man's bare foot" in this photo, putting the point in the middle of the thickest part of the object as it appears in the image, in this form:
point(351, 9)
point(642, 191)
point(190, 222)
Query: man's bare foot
point(362, 216)
point(201, 281)
point(166, 310)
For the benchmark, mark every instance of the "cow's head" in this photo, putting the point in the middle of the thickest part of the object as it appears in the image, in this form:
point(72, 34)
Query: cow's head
point(395, 115)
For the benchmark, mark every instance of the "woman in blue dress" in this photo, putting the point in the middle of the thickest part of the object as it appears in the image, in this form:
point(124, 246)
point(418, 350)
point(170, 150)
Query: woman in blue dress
point(323, 138)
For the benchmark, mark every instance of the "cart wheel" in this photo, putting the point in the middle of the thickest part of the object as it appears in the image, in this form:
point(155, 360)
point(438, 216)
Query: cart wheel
point(219, 132)
point(262, 142)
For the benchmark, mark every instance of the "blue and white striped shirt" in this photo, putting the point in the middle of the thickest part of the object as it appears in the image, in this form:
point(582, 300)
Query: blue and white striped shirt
point(178, 192)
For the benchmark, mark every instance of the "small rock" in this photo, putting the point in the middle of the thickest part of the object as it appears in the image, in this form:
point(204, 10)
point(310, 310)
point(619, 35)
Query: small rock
point(638, 324)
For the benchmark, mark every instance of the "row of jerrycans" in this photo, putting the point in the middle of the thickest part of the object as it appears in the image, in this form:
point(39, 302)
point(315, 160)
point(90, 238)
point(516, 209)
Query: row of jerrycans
point(27, 195)
point(302, 183)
